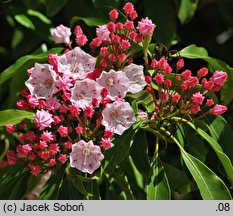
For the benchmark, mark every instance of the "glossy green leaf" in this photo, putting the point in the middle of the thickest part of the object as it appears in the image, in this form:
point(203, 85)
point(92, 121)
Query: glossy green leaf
point(210, 185)
point(52, 187)
point(158, 186)
point(221, 131)
point(145, 99)
point(14, 116)
point(39, 15)
point(24, 21)
point(25, 62)
point(120, 150)
point(187, 10)
point(76, 181)
point(226, 162)
point(139, 153)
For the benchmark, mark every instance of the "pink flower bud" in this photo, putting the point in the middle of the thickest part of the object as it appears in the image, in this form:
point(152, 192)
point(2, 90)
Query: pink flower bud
point(10, 128)
point(132, 35)
point(133, 15)
point(218, 110)
point(62, 158)
point(197, 98)
point(186, 74)
point(219, 77)
point(81, 40)
point(146, 27)
point(159, 79)
point(148, 79)
point(88, 112)
point(202, 72)
point(79, 130)
point(63, 131)
point(113, 15)
point(119, 26)
point(129, 25)
point(168, 83)
point(122, 57)
point(62, 35)
point(78, 30)
point(209, 102)
point(154, 64)
point(111, 26)
point(11, 157)
point(176, 98)
point(104, 51)
point(180, 64)
point(104, 92)
point(128, 8)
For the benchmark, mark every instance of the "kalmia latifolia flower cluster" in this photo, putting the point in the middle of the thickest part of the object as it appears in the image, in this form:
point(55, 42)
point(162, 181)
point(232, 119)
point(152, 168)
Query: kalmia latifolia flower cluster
point(79, 100)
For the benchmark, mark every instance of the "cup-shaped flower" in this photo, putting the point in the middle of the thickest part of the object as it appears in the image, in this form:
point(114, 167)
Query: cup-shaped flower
point(42, 82)
point(43, 119)
point(103, 33)
point(146, 27)
point(136, 77)
point(84, 91)
point(62, 34)
point(86, 156)
point(118, 117)
point(115, 82)
point(76, 63)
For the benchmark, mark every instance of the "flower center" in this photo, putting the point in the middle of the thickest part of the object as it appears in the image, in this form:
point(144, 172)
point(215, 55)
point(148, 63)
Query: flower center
point(113, 114)
point(110, 81)
point(86, 151)
point(48, 83)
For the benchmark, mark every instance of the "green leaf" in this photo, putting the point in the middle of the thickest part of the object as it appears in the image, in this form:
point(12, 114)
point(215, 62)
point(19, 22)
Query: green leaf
point(25, 62)
point(187, 10)
point(221, 131)
point(24, 21)
point(139, 153)
point(226, 162)
point(14, 116)
point(145, 99)
point(39, 15)
point(117, 154)
point(195, 52)
point(52, 188)
point(210, 185)
point(77, 182)
point(158, 186)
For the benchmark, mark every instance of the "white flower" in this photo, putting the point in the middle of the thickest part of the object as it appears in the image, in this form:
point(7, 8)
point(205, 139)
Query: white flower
point(118, 117)
point(115, 82)
point(76, 63)
point(41, 82)
point(84, 91)
point(136, 77)
point(62, 34)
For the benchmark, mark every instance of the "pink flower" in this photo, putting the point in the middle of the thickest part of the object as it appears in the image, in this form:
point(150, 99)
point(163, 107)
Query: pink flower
point(146, 27)
point(209, 102)
point(31, 136)
point(23, 150)
point(53, 60)
point(113, 15)
point(195, 109)
point(197, 98)
point(219, 77)
point(63, 131)
point(79, 130)
point(43, 119)
point(10, 128)
point(115, 82)
point(78, 30)
point(128, 8)
point(62, 34)
point(47, 136)
point(62, 158)
point(76, 63)
point(84, 91)
point(81, 40)
point(88, 112)
point(180, 64)
point(202, 72)
point(35, 170)
point(52, 162)
point(53, 149)
point(159, 79)
point(136, 77)
point(86, 156)
point(186, 74)
point(106, 143)
point(64, 82)
point(52, 104)
point(218, 110)
point(41, 83)
point(103, 33)
point(176, 98)
point(118, 117)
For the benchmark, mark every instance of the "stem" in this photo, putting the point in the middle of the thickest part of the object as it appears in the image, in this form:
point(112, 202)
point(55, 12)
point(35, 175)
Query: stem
point(157, 150)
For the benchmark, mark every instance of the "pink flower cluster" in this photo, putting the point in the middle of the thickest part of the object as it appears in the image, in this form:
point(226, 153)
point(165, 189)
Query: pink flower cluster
point(79, 103)
point(182, 94)
point(76, 115)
